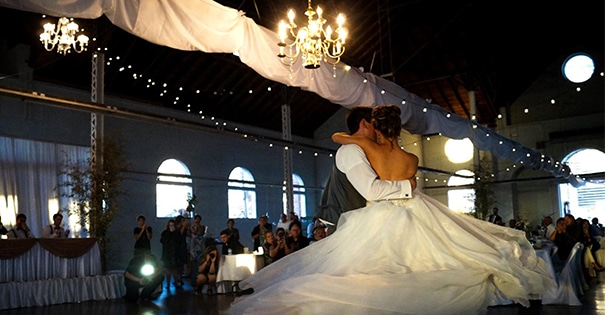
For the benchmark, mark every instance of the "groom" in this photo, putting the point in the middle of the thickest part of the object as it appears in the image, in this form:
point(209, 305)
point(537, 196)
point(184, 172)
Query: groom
point(352, 180)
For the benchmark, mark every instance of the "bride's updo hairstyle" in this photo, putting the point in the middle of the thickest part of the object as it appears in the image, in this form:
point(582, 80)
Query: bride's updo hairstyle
point(387, 120)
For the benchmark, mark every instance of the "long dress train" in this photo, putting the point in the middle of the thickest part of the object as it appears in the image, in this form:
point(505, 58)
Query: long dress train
point(411, 256)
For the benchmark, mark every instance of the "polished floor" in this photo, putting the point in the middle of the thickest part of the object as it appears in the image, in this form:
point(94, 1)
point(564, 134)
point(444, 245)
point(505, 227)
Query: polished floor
point(184, 301)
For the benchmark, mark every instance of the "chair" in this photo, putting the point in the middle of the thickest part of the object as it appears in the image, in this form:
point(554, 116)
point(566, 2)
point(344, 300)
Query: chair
point(569, 280)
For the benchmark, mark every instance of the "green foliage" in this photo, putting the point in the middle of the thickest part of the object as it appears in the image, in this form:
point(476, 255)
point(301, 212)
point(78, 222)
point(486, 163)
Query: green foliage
point(96, 190)
point(484, 194)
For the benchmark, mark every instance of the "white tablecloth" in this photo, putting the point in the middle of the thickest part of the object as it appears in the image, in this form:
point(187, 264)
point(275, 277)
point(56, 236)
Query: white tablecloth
point(40, 264)
point(235, 268)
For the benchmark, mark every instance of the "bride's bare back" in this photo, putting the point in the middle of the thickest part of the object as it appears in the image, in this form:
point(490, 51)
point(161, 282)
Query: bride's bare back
point(388, 160)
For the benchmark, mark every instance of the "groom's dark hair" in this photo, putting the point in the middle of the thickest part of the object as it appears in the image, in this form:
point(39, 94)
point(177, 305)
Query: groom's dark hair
point(356, 115)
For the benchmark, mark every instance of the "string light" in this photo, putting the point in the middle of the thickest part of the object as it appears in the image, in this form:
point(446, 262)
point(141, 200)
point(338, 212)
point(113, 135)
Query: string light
point(346, 68)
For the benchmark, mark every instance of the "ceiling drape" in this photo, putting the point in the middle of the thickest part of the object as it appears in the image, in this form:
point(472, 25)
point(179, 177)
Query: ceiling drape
point(213, 28)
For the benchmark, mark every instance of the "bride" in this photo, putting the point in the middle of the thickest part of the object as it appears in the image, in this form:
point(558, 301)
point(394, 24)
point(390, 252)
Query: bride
point(407, 256)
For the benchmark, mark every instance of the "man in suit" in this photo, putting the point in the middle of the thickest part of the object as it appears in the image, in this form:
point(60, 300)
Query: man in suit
point(494, 217)
point(352, 180)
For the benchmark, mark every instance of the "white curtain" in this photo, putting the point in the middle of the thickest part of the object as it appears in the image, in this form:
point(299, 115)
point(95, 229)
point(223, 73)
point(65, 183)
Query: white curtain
point(30, 180)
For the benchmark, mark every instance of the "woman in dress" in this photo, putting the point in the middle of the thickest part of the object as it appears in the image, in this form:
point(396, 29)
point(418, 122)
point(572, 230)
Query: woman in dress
point(173, 262)
point(415, 256)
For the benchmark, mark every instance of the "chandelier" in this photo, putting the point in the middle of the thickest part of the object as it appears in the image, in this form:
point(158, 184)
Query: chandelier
point(312, 42)
point(63, 37)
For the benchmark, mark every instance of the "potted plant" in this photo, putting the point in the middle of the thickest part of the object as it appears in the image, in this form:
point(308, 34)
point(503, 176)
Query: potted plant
point(95, 190)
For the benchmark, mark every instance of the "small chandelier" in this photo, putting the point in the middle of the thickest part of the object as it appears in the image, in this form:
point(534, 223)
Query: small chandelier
point(312, 42)
point(64, 36)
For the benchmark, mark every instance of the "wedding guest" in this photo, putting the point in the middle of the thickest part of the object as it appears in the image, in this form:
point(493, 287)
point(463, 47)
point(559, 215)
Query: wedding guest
point(284, 223)
point(274, 249)
point(550, 227)
point(595, 228)
point(56, 229)
point(142, 234)
point(319, 233)
point(494, 217)
point(182, 226)
point(232, 230)
point(3, 230)
point(295, 241)
point(230, 243)
point(173, 262)
point(21, 230)
point(563, 240)
point(136, 277)
point(207, 270)
point(258, 232)
point(196, 248)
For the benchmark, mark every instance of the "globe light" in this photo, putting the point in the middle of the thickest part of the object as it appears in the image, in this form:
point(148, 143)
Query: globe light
point(147, 270)
point(459, 151)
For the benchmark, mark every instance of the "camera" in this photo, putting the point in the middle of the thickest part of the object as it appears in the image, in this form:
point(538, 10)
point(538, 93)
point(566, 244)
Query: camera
point(212, 255)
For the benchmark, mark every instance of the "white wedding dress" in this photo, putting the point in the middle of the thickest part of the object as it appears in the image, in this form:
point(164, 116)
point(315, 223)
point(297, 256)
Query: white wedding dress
point(412, 256)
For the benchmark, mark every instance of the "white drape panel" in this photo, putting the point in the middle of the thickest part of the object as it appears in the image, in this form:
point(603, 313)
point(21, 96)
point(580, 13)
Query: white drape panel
point(58, 291)
point(210, 27)
point(30, 178)
point(568, 289)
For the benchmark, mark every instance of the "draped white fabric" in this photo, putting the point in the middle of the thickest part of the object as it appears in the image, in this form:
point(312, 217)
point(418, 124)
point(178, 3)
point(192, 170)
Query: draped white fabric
point(40, 264)
point(210, 27)
point(58, 291)
point(29, 179)
point(565, 291)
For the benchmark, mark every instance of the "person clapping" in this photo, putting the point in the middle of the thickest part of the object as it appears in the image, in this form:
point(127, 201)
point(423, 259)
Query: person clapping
point(56, 229)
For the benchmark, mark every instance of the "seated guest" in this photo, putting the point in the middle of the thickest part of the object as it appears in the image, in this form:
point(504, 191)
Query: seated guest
point(591, 245)
point(143, 271)
point(207, 270)
point(232, 230)
point(258, 232)
point(549, 226)
point(595, 228)
point(284, 223)
point(319, 233)
point(3, 230)
point(274, 248)
point(295, 241)
point(55, 230)
point(21, 230)
point(230, 243)
point(564, 241)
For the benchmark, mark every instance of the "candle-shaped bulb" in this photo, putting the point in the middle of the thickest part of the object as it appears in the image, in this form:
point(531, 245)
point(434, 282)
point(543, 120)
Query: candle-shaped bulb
point(282, 31)
point(328, 32)
point(340, 19)
point(291, 16)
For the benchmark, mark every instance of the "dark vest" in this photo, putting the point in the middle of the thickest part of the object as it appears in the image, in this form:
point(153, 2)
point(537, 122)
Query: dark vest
point(338, 197)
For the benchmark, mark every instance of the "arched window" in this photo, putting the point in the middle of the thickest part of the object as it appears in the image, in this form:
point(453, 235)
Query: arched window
point(242, 194)
point(584, 201)
point(172, 189)
point(461, 200)
point(298, 195)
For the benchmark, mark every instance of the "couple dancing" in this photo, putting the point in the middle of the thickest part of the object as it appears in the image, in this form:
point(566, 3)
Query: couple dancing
point(396, 255)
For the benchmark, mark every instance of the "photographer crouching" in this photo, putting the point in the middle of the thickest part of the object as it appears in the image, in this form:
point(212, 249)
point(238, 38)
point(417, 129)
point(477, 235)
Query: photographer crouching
point(143, 271)
point(207, 270)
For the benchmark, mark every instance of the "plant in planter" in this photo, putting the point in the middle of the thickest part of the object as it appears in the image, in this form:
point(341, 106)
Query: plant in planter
point(484, 194)
point(191, 202)
point(95, 191)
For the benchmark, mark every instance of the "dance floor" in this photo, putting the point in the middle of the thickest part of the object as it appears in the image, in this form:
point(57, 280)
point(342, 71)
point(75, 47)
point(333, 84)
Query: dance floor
point(184, 301)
